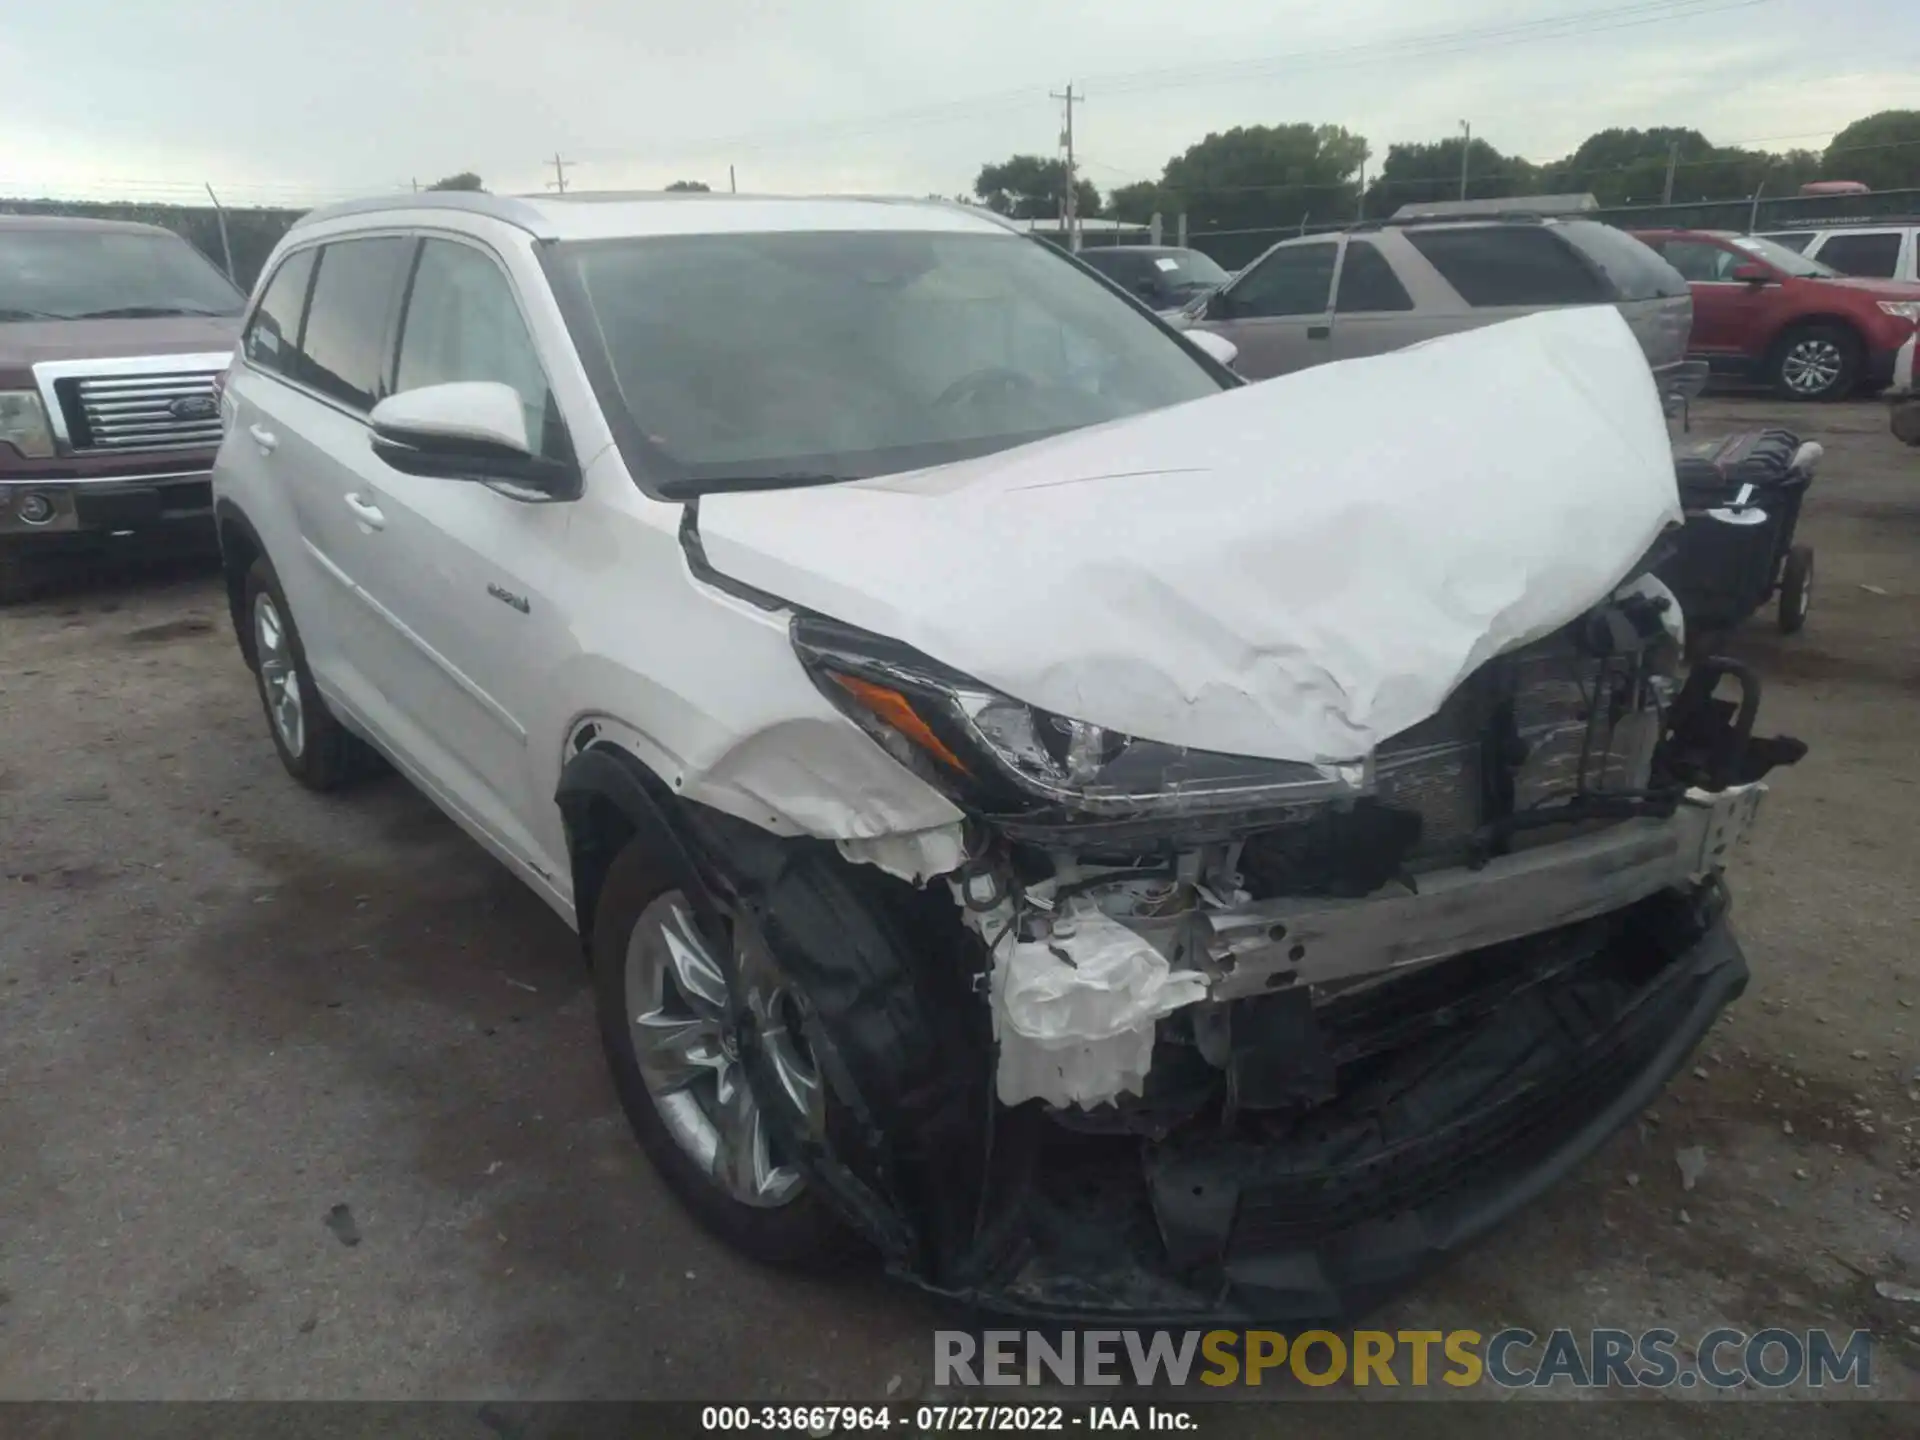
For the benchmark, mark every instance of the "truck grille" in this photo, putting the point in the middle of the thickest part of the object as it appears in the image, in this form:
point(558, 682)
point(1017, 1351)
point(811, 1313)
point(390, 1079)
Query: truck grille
point(162, 410)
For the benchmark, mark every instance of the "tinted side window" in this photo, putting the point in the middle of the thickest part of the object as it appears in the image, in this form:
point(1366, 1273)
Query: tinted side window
point(1510, 265)
point(1367, 281)
point(1635, 269)
point(1697, 260)
point(1292, 281)
point(462, 324)
point(273, 334)
point(342, 354)
point(1876, 254)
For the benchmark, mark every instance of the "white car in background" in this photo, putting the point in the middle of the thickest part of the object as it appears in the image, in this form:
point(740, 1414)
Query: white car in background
point(1108, 838)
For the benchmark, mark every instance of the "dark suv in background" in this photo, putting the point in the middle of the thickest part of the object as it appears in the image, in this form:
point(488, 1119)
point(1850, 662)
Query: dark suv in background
point(1165, 277)
point(1381, 286)
point(111, 339)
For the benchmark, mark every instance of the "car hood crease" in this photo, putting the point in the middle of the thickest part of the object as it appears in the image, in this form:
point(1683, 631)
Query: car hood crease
point(1294, 570)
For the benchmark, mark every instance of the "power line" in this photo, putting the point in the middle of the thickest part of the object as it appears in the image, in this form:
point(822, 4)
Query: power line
point(1143, 81)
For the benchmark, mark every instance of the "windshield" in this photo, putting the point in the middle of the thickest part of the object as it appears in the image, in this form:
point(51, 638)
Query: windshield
point(60, 274)
point(1188, 272)
point(1781, 258)
point(788, 357)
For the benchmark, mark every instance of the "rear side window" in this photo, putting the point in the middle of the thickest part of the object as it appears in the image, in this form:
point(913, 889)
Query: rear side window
point(343, 349)
point(1635, 269)
point(1295, 280)
point(272, 340)
point(1792, 239)
point(1510, 265)
point(1876, 254)
point(1367, 281)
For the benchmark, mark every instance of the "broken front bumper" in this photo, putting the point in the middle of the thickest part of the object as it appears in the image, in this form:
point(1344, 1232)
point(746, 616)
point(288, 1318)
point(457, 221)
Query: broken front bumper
point(1277, 944)
point(1553, 1045)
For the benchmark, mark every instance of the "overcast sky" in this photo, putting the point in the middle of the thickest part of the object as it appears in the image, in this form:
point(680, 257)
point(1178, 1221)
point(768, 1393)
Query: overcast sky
point(303, 100)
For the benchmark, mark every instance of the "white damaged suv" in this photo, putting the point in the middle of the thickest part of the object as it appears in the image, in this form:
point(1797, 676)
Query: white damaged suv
point(1110, 839)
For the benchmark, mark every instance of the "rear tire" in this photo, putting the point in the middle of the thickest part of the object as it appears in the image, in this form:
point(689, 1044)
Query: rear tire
point(317, 750)
point(1796, 589)
point(1815, 362)
point(789, 1224)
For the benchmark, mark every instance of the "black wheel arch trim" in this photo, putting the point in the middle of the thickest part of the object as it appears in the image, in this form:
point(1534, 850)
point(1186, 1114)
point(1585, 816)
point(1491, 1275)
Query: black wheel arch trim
point(605, 772)
point(229, 519)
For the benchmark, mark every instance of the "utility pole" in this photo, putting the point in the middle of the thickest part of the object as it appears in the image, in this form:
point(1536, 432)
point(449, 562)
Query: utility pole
point(1673, 159)
point(1069, 209)
point(1360, 208)
point(1466, 149)
point(416, 185)
point(559, 182)
point(220, 214)
point(732, 189)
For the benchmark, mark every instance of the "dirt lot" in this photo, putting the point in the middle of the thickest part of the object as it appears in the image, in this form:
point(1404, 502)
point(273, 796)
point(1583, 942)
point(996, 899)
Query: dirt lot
point(229, 1008)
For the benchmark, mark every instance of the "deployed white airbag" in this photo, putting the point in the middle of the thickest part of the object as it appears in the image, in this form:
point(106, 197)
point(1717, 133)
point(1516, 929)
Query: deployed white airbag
point(1297, 569)
point(1074, 1014)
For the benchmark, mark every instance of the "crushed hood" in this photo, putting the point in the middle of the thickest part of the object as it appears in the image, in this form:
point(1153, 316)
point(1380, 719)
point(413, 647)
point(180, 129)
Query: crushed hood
point(1297, 569)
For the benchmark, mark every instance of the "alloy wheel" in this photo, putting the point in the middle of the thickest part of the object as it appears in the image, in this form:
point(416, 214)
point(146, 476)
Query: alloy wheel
point(1811, 366)
point(279, 675)
point(690, 1020)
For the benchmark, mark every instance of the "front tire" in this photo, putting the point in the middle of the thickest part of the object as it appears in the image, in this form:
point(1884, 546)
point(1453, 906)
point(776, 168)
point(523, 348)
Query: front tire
point(316, 749)
point(1816, 362)
point(677, 1029)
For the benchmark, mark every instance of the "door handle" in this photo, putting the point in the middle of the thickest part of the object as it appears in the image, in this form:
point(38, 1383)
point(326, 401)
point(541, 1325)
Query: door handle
point(264, 438)
point(1319, 332)
point(366, 512)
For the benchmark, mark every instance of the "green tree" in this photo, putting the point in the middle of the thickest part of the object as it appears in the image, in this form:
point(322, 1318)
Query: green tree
point(1430, 170)
point(465, 180)
point(1260, 177)
point(1881, 150)
point(699, 186)
point(1032, 187)
point(1139, 202)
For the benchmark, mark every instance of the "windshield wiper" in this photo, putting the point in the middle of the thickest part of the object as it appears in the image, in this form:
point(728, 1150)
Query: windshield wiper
point(143, 312)
point(691, 486)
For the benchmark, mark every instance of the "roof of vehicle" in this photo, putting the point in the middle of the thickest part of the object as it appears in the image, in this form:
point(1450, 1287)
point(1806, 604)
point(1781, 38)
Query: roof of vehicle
point(1536, 205)
point(1148, 250)
point(1850, 222)
point(1686, 230)
point(601, 215)
point(79, 222)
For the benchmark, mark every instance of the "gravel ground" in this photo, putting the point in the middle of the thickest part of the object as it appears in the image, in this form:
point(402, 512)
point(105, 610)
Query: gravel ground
point(301, 1096)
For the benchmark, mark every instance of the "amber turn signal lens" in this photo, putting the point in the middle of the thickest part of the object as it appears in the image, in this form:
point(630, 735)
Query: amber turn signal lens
point(894, 708)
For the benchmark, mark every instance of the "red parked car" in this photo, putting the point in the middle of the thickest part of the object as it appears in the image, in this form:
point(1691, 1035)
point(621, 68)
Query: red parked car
point(1764, 312)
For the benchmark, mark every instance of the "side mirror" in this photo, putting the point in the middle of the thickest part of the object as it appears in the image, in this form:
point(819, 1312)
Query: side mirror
point(1217, 346)
point(465, 430)
point(1751, 274)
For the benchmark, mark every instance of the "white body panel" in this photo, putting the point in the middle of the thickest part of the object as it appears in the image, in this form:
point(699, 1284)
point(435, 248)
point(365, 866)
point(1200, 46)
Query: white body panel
point(1293, 570)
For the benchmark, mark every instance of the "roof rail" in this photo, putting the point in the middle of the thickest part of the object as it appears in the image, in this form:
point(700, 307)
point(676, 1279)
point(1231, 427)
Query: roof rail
point(1506, 217)
point(510, 208)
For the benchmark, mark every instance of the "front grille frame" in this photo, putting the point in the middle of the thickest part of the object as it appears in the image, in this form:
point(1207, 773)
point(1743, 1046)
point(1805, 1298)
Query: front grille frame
point(117, 406)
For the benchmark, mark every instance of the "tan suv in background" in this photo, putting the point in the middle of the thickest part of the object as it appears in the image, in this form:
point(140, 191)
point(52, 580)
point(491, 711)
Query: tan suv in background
point(1381, 286)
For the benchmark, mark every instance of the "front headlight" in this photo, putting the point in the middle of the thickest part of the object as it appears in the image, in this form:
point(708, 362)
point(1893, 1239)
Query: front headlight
point(23, 423)
point(1903, 309)
point(1001, 758)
